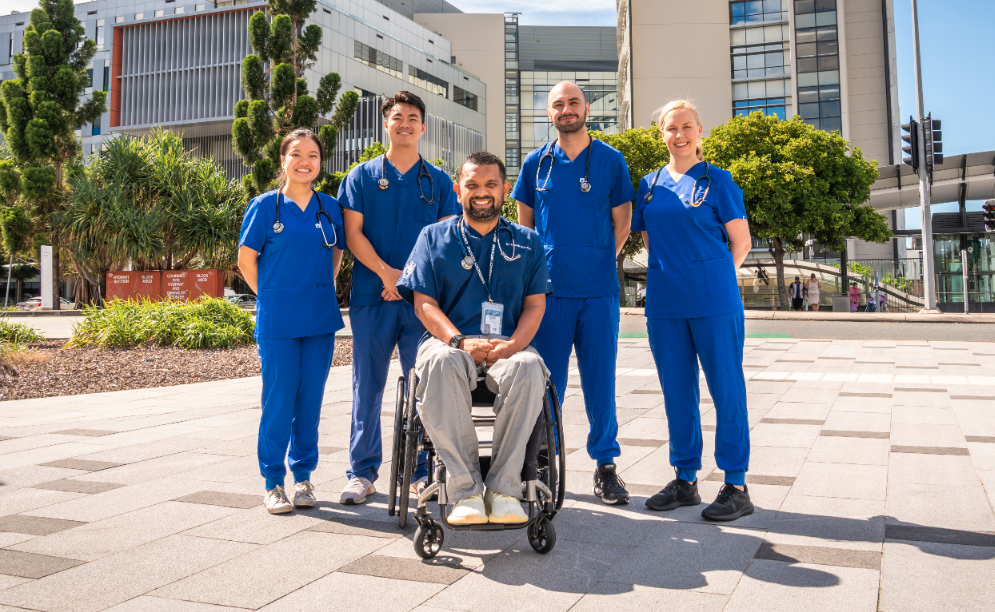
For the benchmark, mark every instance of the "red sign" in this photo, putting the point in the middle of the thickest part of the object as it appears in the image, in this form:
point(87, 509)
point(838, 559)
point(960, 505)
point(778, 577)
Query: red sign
point(181, 285)
point(206, 282)
point(118, 285)
point(175, 285)
point(145, 284)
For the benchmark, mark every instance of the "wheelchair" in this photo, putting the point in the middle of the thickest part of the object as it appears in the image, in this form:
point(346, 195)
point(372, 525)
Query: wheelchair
point(543, 473)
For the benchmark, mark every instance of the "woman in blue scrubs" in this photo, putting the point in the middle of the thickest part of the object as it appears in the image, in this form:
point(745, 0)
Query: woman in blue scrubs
point(289, 253)
point(693, 221)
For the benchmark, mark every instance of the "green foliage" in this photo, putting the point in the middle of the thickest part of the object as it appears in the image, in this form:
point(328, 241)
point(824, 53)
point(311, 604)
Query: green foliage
point(17, 333)
point(797, 181)
point(278, 100)
point(205, 324)
point(17, 228)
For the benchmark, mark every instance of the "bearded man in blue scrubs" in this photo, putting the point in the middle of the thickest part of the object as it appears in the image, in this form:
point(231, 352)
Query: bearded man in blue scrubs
point(385, 204)
point(577, 194)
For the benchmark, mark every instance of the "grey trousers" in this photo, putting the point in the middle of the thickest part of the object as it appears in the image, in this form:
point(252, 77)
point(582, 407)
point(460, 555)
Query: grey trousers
point(446, 376)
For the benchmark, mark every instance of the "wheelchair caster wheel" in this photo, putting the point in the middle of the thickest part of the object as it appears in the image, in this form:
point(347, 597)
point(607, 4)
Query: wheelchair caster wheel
point(428, 539)
point(542, 536)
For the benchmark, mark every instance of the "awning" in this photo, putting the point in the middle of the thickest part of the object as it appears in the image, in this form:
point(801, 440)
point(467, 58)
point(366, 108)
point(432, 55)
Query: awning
point(970, 176)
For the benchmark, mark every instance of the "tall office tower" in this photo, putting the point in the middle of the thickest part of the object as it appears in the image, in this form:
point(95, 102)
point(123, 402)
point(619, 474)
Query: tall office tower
point(520, 64)
point(177, 64)
point(830, 61)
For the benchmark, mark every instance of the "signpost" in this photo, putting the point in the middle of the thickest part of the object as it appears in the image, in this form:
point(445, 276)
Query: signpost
point(46, 277)
point(180, 285)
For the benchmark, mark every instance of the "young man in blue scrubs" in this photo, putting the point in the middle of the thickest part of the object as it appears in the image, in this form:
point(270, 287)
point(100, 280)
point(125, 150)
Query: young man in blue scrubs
point(576, 192)
point(479, 285)
point(386, 202)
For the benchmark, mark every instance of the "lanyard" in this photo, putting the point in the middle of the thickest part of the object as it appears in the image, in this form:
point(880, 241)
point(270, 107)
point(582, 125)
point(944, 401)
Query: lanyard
point(490, 272)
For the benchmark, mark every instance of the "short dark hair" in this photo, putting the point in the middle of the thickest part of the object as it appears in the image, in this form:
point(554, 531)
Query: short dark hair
point(482, 158)
point(403, 97)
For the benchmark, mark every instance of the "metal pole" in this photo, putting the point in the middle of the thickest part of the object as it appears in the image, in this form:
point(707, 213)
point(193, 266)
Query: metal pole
point(928, 274)
point(7, 291)
point(964, 272)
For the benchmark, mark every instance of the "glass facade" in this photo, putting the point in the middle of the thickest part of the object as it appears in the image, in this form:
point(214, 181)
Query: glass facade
point(600, 88)
point(512, 133)
point(465, 98)
point(950, 271)
point(428, 82)
point(365, 54)
point(818, 64)
point(761, 63)
point(757, 11)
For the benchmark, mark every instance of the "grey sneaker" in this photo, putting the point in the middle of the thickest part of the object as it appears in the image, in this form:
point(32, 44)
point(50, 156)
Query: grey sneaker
point(357, 491)
point(304, 494)
point(276, 501)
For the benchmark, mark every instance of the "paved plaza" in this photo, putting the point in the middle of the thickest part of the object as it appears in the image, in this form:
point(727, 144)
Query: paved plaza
point(873, 473)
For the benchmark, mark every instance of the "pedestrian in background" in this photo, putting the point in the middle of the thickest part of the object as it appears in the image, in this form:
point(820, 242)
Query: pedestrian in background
point(797, 291)
point(813, 293)
point(854, 298)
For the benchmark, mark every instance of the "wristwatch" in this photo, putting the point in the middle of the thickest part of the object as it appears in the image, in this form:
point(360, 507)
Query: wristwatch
point(455, 340)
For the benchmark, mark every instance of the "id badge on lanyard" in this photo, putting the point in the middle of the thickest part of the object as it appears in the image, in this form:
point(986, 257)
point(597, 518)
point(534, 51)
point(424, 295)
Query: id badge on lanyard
point(491, 318)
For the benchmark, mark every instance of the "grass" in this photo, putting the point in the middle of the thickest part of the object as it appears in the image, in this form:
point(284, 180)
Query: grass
point(17, 333)
point(204, 324)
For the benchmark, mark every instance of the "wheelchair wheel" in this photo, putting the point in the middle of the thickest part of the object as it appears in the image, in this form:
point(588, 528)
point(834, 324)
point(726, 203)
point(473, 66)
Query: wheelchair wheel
point(560, 490)
point(542, 535)
point(397, 447)
point(410, 452)
point(429, 538)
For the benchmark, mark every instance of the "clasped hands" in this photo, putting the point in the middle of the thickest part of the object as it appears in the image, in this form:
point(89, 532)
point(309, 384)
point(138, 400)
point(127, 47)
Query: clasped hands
point(488, 350)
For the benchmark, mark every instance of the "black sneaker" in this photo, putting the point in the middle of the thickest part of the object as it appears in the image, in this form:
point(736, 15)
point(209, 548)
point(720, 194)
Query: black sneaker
point(729, 505)
point(608, 486)
point(677, 493)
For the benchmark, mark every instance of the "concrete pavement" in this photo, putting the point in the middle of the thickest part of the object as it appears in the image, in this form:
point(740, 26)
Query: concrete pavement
point(873, 473)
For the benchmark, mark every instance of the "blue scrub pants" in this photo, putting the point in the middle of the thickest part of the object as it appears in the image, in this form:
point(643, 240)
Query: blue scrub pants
point(590, 324)
point(294, 374)
point(677, 345)
point(376, 330)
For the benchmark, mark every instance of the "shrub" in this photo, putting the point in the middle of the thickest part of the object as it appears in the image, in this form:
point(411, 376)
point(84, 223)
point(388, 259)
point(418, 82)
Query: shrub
point(205, 323)
point(17, 333)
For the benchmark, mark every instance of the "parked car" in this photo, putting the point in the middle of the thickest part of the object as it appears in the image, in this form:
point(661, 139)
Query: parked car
point(243, 300)
point(35, 303)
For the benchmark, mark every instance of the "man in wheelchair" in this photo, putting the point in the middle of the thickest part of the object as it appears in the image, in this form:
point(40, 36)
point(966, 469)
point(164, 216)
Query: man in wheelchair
point(478, 284)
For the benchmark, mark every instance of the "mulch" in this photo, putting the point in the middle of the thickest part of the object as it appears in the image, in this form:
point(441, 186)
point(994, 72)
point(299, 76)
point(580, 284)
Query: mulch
point(46, 369)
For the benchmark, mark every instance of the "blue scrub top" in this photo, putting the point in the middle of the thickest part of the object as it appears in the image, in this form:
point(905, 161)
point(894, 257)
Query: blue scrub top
point(576, 227)
point(296, 284)
point(392, 217)
point(691, 272)
point(434, 269)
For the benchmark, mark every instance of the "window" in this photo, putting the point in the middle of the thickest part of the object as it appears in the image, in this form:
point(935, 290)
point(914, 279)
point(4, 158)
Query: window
point(139, 16)
point(817, 44)
point(99, 35)
point(757, 11)
point(428, 82)
point(119, 19)
point(96, 127)
point(373, 58)
point(89, 75)
point(107, 75)
point(178, 10)
point(157, 13)
point(199, 7)
point(756, 61)
point(768, 106)
point(511, 125)
point(464, 98)
point(511, 157)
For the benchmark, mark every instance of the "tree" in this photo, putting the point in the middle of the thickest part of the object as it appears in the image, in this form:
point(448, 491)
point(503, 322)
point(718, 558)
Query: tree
point(149, 202)
point(277, 97)
point(40, 111)
point(797, 180)
point(644, 152)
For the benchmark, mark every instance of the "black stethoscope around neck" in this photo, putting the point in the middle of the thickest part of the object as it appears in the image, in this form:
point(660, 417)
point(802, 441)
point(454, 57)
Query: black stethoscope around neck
point(278, 227)
point(585, 184)
point(423, 171)
point(692, 202)
point(469, 261)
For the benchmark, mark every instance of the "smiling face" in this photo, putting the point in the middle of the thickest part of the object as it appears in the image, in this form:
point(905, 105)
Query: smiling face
point(301, 161)
point(681, 131)
point(567, 108)
point(404, 125)
point(481, 191)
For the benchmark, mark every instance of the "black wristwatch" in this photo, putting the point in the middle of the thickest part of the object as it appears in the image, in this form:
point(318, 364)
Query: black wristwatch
point(455, 340)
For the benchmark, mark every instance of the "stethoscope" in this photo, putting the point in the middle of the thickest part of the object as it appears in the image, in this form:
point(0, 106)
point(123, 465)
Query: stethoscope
point(384, 183)
point(585, 185)
point(693, 204)
point(469, 261)
point(278, 227)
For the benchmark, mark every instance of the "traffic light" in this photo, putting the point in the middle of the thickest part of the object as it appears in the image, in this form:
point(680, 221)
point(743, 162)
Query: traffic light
point(911, 137)
point(989, 212)
point(934, 148)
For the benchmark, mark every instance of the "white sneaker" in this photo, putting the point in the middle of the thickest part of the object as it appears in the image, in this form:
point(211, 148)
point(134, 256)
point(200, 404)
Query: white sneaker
point(469, 511)
point(304, 494)
point(504, 508)
point(276, 501)
point(357, 491)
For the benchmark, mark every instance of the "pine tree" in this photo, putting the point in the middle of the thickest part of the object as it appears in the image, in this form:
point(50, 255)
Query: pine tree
point(40, 112)
point(278, 99)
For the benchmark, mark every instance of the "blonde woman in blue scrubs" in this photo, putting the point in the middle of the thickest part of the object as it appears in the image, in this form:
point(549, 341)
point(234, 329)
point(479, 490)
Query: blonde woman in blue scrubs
point(693, 221)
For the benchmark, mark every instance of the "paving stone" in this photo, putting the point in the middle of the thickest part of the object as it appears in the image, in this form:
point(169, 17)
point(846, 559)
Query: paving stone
point(939, 535)
point(7, 582)
point(837, 433)
point(774, 586)
point(271, 572)
point(926, 577)
point(157, 467)
point(35, 525)
point(848, 450)
point(124, 576)
point(94, 433)
point(946, 506)
point(28, 565)
point(796, 436)
point(929, 450)
point(362, 527)
point(78, 486)
point(751, 478)
point(863, 394)
point(981, 439)
point(81, 464)
point(935, 469)
point(819, 555)
point(438, 572)
point(28, 499)
point(356, 592)
point(842, 480)
point(228, 500)
point(771, 421)
point(827, 521)
point(616, 596)
point(91, 508)
point(158, 604)
point(641, 442)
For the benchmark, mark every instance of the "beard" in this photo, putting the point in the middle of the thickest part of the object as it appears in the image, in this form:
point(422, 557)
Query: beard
point(576, 126)
point(481, 214)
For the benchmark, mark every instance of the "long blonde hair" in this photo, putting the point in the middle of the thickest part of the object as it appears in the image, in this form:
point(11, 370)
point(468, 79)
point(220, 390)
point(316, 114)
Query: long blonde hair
point(661, 113)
